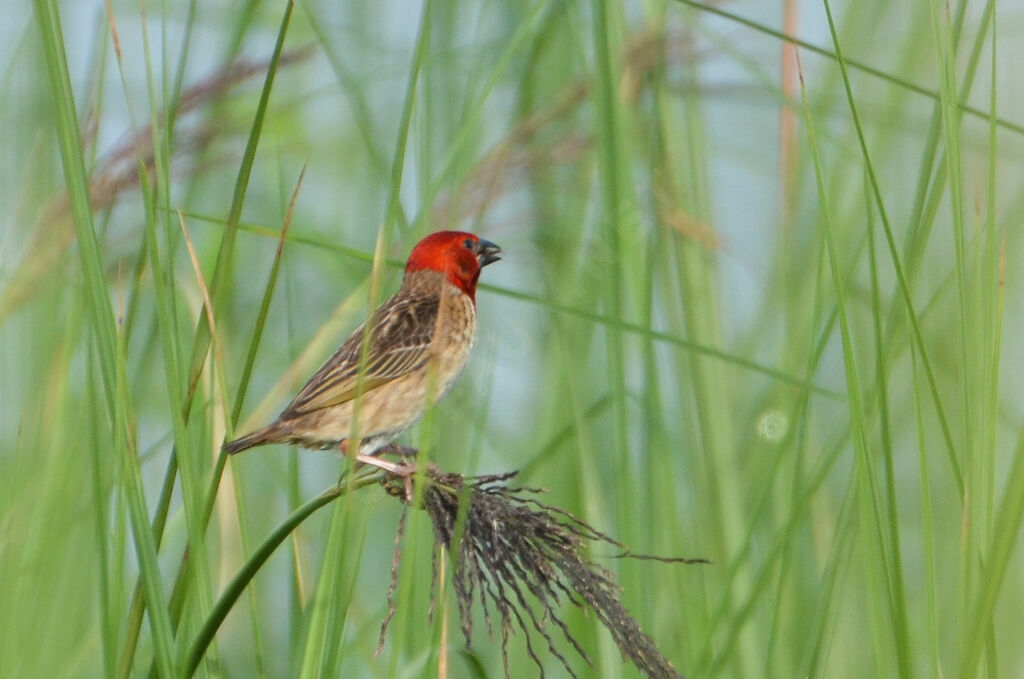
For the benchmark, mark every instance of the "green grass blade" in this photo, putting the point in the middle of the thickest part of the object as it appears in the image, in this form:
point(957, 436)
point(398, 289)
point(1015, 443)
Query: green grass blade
point(928, 536)
point(264, 309)
point(1005, 535)
point(327, 610)
point(898, 593)
point(240, 581)
point(904, 288)
point(1003, 123)
point(98, 300)
point(224, 253)
point(868, 502)
point(202, 337)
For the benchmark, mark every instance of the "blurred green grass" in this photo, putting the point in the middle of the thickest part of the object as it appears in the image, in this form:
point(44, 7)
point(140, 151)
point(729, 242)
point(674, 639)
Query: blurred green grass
point(762, 319)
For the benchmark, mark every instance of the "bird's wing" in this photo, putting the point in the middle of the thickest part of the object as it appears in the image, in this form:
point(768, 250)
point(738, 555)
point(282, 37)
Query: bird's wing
point(401, 332)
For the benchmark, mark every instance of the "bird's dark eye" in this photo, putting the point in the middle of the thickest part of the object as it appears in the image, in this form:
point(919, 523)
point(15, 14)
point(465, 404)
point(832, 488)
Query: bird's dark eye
point(468, 243)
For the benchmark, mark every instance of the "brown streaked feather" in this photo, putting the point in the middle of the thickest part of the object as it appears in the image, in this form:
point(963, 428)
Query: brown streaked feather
point(401, 332)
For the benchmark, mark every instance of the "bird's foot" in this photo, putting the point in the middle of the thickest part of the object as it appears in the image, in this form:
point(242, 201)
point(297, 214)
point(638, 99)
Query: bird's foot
point(404, 470)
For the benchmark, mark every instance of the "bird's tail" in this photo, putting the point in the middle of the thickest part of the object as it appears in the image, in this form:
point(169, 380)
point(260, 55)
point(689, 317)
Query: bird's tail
point(257, 438)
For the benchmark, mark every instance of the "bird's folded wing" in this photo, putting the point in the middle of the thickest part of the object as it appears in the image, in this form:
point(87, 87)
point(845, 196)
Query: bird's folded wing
point(400, 340)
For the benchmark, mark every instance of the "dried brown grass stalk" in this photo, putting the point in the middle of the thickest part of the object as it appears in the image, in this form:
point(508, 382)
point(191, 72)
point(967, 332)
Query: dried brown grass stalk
point(117, 172)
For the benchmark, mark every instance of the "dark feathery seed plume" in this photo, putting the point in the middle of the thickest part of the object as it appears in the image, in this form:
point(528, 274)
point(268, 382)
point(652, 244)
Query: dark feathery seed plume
point(522, 558)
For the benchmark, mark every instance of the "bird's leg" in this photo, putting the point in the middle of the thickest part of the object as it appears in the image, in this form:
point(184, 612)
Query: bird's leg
point(360, 458)
point(406, 453)
point(398, 469)
point(403, 471)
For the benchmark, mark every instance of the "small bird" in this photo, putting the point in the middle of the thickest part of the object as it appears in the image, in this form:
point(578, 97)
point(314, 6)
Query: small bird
point(417, 344)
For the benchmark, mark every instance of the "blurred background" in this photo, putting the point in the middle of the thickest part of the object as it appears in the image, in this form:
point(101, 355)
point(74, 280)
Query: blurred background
point(742, 315)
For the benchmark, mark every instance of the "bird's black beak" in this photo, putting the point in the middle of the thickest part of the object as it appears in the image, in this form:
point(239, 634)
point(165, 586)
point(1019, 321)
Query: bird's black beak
point(487, 252)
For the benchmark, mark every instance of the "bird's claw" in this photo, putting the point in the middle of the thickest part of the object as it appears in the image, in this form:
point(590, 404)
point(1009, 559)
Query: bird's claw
point(404, 470)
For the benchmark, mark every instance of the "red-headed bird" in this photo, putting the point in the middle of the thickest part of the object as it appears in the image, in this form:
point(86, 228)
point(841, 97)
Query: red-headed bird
point(418, 343)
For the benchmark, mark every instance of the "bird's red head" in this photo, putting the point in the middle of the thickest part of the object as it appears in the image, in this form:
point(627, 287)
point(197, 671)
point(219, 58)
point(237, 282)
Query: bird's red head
point(456, 254)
